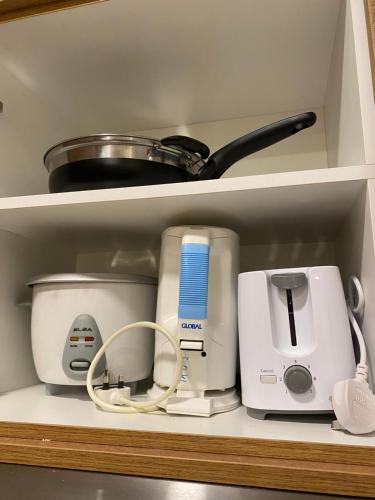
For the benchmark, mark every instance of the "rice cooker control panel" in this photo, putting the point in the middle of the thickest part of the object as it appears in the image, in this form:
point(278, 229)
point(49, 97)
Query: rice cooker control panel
point(82, 343)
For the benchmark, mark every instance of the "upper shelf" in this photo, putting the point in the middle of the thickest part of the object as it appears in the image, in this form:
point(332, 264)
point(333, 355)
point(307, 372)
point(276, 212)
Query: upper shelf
point(192, 67)
point(285, 207)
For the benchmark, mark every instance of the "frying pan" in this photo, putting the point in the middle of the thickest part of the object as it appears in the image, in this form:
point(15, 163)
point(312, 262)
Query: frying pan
point(113, 160)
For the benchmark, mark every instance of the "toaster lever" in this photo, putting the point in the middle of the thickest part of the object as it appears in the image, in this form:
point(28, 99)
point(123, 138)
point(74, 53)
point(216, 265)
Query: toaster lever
point(288, 281)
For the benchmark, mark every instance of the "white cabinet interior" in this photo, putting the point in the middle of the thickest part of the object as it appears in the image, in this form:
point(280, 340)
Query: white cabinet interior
point(214, 70)
point(304, 218)
point(206, 69)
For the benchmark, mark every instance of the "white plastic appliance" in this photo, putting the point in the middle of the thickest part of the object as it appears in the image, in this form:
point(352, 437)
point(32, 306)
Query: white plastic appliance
point(197, 304)
point(295, 339)
point(73, 314)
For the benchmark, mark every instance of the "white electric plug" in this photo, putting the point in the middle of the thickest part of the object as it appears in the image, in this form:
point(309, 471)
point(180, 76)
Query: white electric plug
point(352, 400)
point(113, 396)
point(354, 405)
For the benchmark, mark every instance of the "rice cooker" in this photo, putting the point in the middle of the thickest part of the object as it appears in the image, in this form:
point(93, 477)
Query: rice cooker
point(73, 314)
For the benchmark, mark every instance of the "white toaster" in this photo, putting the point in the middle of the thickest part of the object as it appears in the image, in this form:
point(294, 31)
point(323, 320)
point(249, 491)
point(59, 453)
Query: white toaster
point(295, 339)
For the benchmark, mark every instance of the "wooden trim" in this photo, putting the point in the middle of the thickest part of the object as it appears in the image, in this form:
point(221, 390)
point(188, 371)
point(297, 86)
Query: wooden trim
point(265, 448)
point(198, 466)
point(370, 18)
point(301, 466)
point(16, 9)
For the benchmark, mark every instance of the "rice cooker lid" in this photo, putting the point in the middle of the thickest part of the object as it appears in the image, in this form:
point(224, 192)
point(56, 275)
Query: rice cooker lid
point(92, 278)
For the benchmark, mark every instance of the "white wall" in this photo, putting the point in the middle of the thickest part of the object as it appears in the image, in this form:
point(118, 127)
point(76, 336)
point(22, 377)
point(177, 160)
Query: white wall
point(350, 107)
point(344, 128)
point(120, 65)
point(356, 255)
point(253, 257)
point(27, 129)
point(366, 91)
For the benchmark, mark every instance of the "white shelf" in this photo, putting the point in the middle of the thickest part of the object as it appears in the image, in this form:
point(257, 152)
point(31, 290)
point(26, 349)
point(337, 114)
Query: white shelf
point(293, 206)
point(307, 205)
point(32, 405)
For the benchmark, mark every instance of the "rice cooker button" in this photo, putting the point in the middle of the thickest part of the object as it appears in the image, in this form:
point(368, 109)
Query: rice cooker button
point(80, 365)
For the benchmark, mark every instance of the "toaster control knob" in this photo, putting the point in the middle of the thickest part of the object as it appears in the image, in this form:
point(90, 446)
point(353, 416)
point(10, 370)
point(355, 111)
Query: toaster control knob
point(298, 379)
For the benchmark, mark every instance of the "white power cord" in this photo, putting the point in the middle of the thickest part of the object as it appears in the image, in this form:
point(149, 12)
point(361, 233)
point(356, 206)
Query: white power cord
point(356, 305)
point(352, 400)
point(117, 395)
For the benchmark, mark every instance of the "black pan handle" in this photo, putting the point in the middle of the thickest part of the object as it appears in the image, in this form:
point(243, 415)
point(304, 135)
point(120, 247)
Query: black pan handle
point(187, 143)
point(250, 143)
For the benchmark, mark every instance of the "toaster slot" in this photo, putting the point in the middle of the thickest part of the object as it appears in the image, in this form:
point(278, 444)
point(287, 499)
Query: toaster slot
point(292, 324)
point(288, 282)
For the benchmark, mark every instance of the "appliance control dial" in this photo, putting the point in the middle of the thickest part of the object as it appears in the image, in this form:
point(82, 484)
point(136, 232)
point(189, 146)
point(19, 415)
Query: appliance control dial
point(298, 379)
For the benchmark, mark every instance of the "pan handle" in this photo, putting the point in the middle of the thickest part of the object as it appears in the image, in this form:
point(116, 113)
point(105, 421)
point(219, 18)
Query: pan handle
point(250, 143)
point(187, 143)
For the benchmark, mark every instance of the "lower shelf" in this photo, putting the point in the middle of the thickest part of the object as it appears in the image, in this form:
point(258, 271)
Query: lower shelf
point(231, 448)
point(33, 405)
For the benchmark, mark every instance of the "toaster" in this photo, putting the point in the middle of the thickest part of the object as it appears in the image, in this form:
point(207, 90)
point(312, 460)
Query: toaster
point(295, 339)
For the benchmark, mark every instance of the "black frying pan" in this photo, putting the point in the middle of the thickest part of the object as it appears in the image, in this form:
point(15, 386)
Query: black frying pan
point(108, 161)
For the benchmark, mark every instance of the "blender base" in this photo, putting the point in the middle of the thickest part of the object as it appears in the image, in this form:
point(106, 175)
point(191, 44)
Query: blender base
point(209, 403)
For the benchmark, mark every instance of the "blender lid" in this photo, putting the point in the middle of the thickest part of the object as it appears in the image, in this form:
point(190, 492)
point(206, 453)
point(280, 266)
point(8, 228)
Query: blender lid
point(92, 278)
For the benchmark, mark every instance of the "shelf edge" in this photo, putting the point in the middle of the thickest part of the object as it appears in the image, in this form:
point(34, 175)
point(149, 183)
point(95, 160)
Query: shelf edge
point(298, 475)
point(279, 464)
point(226, 185)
